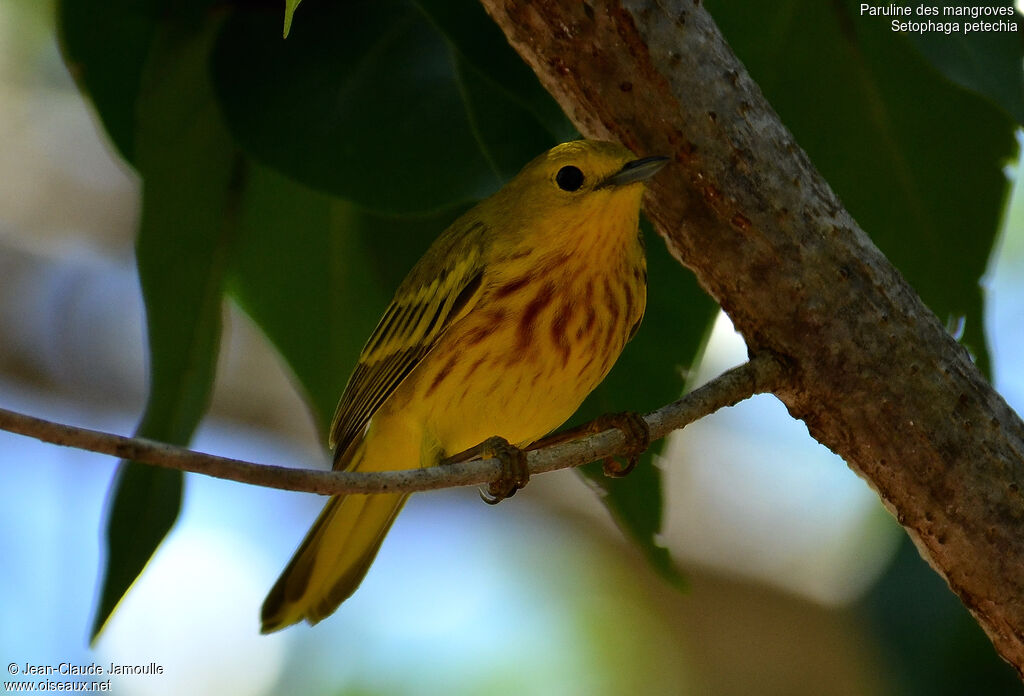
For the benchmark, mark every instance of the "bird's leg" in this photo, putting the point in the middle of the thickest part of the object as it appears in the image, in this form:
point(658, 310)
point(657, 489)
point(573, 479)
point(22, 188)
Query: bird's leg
point(631, 425)
point(514, 471)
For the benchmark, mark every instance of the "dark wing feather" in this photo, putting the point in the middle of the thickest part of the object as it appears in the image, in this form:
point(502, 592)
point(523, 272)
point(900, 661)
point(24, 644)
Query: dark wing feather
point(441, 288)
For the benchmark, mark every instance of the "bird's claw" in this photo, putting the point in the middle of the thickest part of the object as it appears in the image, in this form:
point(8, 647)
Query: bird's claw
point(638, 438)
point(514, 471)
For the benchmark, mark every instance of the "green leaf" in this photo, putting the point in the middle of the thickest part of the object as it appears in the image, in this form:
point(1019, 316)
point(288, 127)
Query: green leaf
point(649, 374)
point(361, 102)
point(916, 160)
point(190, 176)
point(368, 101)
point(143, 506)
point(987, 63)
point(480, 43)
point(301, 271)
point(289, 12)
point(105, 47)
point(505, 131)
point(285, 276)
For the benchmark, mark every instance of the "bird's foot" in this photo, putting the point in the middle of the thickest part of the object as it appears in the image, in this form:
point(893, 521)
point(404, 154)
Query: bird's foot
point(514, 471)
point(638, 438)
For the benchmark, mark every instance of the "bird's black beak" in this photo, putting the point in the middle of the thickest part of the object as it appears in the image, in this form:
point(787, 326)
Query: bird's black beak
point(637, 170)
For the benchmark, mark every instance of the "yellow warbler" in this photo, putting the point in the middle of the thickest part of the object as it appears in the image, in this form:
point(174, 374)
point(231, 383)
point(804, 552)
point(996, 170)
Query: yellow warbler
point(514, 314)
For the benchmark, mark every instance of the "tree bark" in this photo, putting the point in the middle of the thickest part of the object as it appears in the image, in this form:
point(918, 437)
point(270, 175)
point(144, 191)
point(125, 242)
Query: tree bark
point(871, 371)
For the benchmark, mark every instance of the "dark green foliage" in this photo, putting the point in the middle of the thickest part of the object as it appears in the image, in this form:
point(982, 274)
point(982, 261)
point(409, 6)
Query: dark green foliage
point(191, 173)
point(368, 101)
point(984, 62)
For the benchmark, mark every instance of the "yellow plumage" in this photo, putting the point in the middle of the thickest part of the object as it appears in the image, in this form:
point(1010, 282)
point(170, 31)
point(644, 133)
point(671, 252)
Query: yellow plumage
point(515, 313)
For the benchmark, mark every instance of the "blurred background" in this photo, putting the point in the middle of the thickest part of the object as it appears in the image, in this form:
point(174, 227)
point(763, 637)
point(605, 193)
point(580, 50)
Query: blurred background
point(799, 582)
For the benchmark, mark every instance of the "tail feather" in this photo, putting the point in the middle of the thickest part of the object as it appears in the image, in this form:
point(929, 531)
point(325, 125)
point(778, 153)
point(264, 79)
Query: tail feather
point(332, 560)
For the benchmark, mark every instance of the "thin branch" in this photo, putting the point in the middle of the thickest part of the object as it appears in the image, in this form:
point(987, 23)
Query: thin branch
point(760, 375)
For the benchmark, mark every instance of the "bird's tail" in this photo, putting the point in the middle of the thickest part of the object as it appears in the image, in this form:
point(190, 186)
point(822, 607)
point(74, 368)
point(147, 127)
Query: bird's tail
point(332, 559)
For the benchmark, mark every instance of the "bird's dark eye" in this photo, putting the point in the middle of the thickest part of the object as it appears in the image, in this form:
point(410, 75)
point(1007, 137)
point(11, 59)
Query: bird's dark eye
point(569, 178)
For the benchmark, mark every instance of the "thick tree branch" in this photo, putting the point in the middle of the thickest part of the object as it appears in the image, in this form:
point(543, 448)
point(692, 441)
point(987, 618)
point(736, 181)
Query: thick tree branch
point(761, 374)
point(876, 377)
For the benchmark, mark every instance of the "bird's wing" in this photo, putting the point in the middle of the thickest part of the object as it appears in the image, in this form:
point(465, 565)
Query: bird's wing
point(441, 288)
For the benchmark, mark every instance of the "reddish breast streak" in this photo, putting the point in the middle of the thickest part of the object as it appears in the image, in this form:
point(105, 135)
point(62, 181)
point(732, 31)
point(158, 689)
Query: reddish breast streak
point(586, 365)
point(440, 377)
point(530, 314)
point(609, 299)
point(473, 368)
point(591, 318)
point(512, 286)
point(628, 294)
point(558, 331)
point(475, 335)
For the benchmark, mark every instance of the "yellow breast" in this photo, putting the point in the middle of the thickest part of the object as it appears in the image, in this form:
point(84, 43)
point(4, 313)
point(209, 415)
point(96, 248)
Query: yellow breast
point(543, 336)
